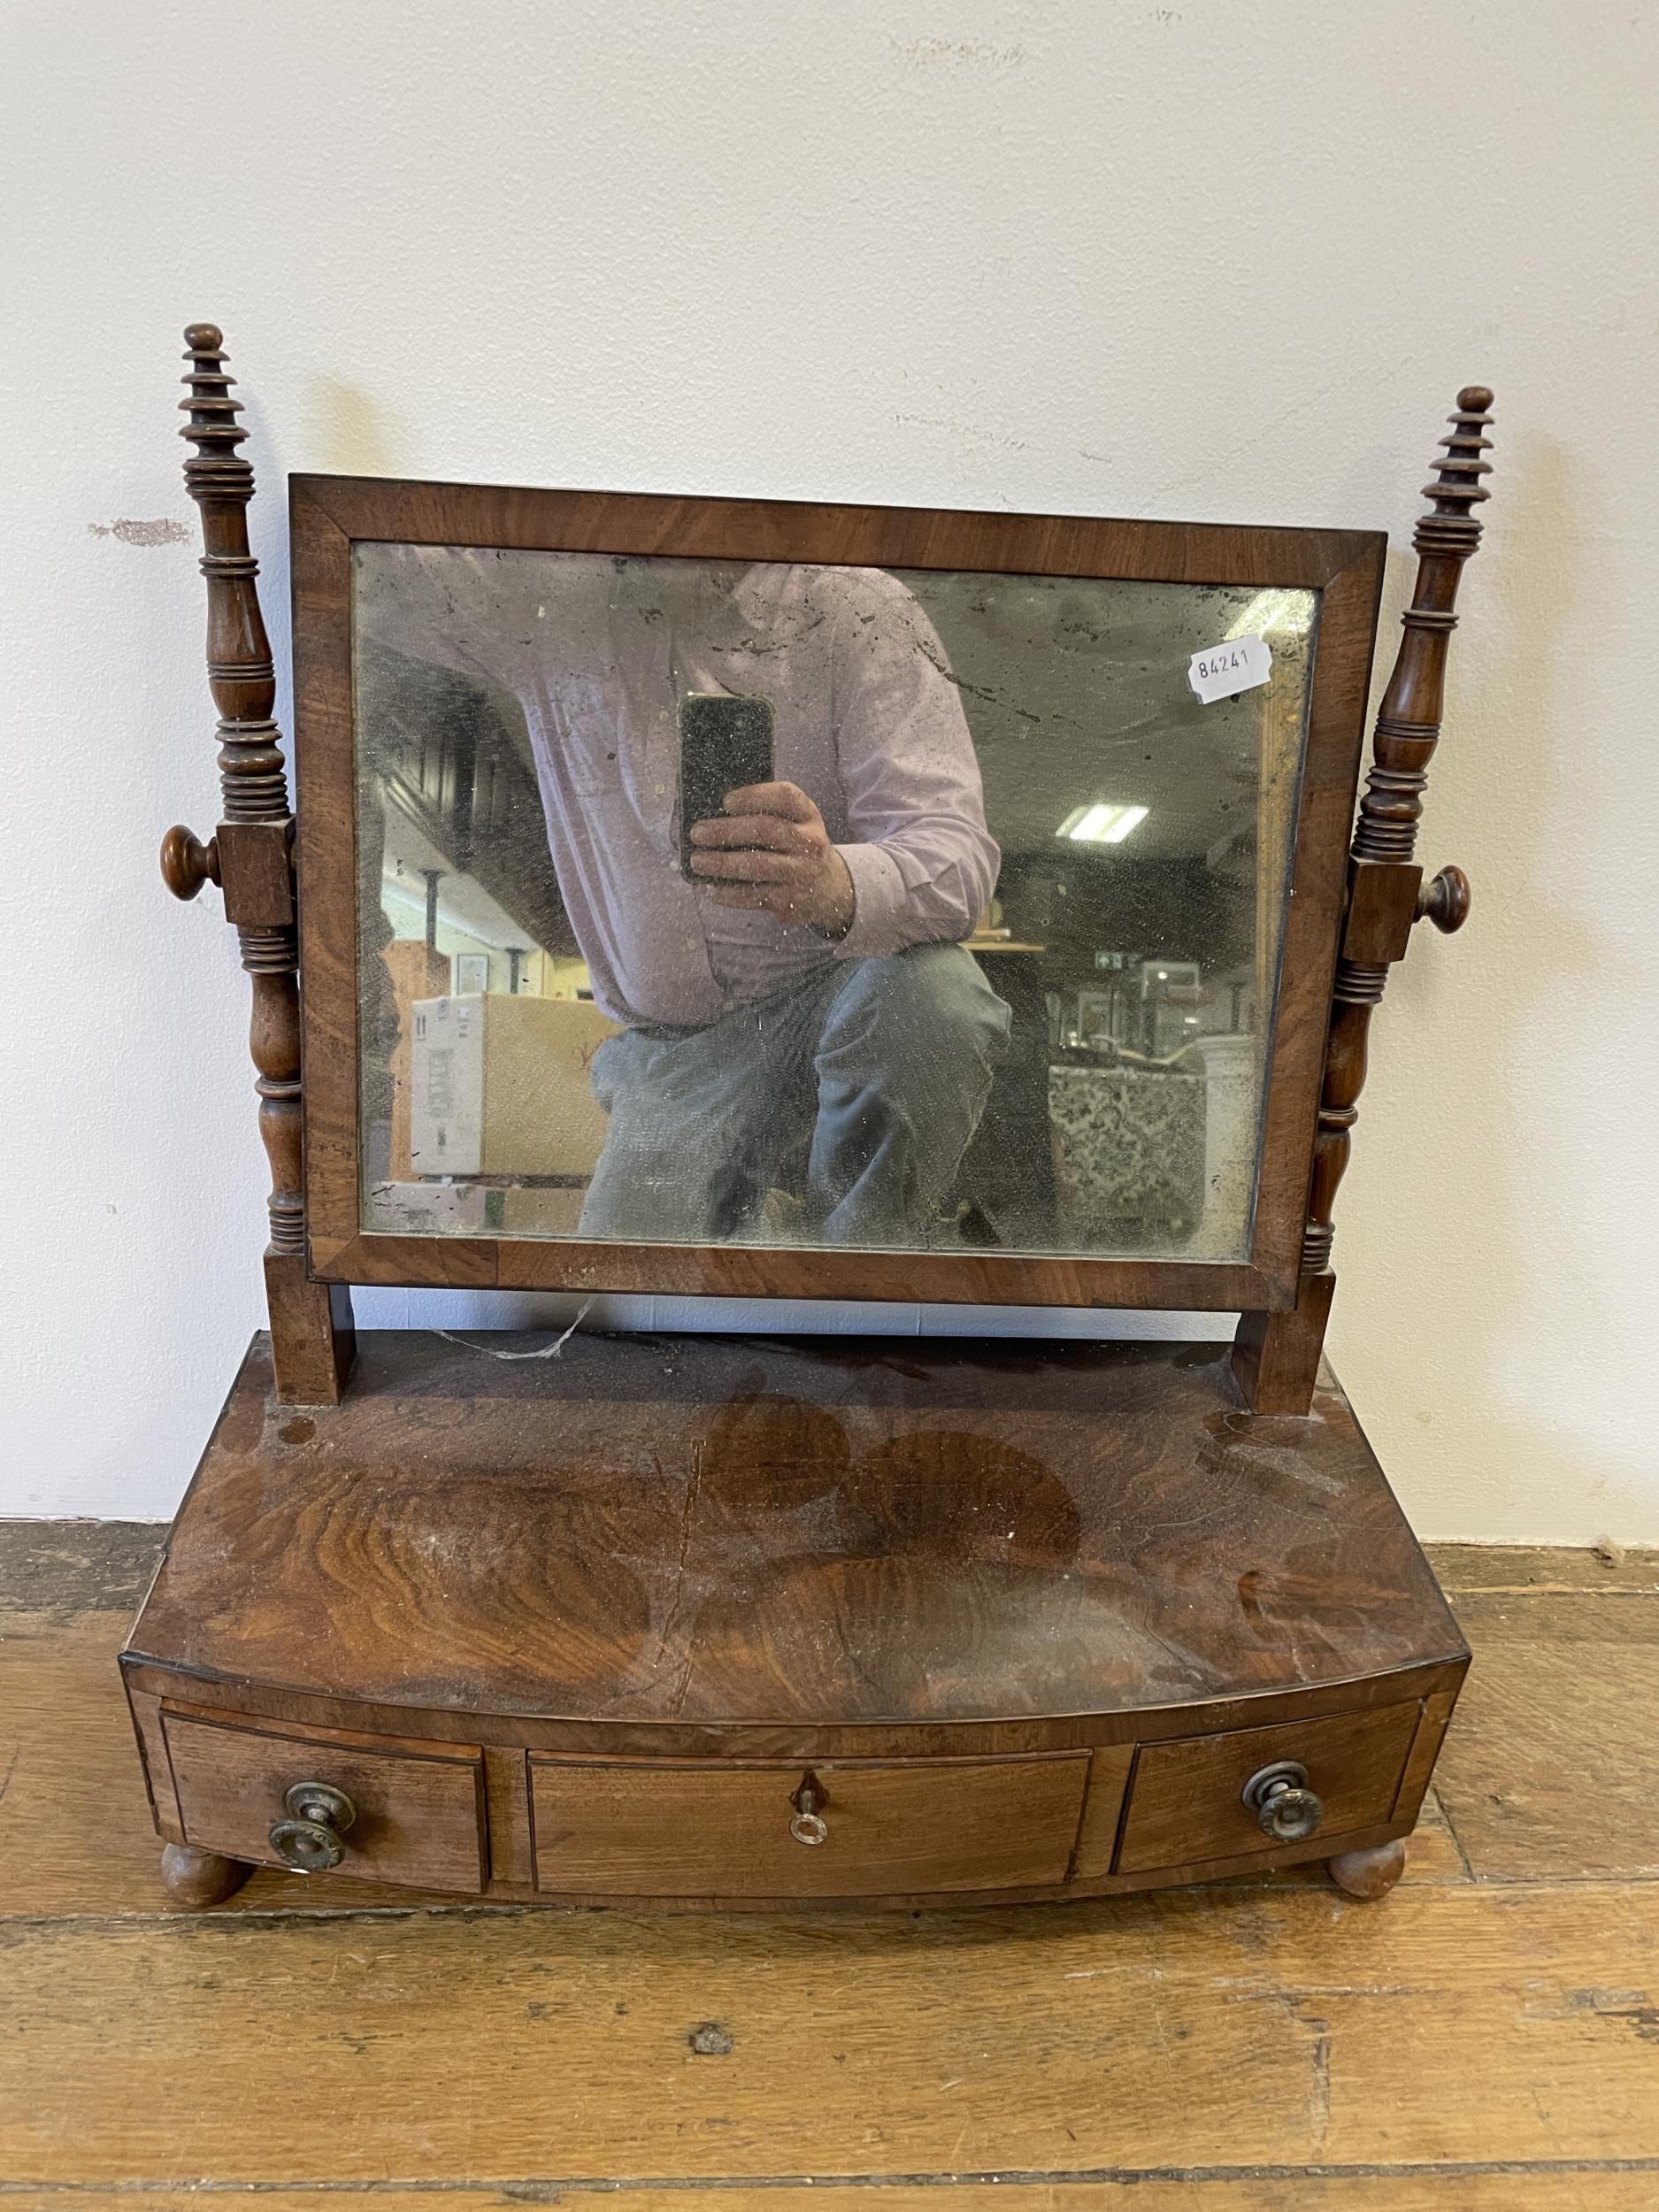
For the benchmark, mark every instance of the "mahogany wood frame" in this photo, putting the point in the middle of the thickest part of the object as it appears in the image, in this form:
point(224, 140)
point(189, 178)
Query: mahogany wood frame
point(328, 515)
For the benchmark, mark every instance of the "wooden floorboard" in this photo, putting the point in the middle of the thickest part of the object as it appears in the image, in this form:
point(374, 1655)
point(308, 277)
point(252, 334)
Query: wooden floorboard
point(1539, 1570)
point(1266, 2027)
point(1487, 2037)
point(1567, 2188)
point(1551, 1771)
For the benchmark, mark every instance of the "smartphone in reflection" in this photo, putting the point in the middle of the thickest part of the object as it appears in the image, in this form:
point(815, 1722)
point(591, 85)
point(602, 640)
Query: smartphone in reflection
point(726, 741)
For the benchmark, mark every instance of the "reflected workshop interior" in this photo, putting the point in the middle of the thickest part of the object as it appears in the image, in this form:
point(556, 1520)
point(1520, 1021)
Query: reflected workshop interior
point(1135, 932)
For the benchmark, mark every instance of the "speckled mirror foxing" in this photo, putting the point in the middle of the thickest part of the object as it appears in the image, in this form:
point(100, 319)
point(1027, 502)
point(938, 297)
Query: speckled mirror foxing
point(764, 903)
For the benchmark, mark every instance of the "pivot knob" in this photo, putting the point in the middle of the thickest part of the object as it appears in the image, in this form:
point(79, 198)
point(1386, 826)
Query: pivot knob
point(309, 1840)
point(1445, 900)
point(185, 862)
point(1285, 1808)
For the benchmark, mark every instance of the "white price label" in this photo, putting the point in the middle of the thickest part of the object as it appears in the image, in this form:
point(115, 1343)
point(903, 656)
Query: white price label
point(1239, 665)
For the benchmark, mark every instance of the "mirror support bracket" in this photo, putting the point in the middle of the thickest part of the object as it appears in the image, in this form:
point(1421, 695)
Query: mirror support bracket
point(251, 856)
point(1276, 1355)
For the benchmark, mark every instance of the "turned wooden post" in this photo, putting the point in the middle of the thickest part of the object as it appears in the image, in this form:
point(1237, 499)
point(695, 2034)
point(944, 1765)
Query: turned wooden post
point(250, 857)
point(1276, 1355)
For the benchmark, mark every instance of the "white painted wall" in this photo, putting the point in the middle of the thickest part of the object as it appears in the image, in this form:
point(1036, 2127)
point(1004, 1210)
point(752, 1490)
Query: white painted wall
point(1086, 255)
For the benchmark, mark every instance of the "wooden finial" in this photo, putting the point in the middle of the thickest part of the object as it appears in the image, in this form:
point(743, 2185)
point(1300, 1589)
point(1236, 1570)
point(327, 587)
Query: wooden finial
point(1457, 488)
point(216, 471)
point(1408, 723)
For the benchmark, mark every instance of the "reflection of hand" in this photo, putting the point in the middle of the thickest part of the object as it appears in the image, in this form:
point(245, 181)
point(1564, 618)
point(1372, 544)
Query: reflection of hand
point(771, 850)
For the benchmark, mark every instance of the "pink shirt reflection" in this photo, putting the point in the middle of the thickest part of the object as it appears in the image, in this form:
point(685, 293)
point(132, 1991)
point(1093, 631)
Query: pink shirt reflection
point(598, 652)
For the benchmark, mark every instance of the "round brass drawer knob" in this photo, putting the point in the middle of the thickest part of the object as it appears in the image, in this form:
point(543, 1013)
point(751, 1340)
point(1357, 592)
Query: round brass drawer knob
point(309, 1840)
point(1285, 1808)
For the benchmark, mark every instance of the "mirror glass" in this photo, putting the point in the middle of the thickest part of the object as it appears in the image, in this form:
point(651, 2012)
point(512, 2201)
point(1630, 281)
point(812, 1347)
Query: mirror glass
point(759, 904)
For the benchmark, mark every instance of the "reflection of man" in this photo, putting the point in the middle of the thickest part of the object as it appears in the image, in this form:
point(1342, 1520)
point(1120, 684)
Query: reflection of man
point(801, 1016)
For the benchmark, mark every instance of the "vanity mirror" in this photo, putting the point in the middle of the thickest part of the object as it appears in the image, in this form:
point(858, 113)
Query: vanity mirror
point(760, 899)
point(876, 903)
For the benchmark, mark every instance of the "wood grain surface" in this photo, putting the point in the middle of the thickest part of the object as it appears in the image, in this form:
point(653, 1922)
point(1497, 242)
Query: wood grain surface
point(701, 1831)
point(1481, 2041)
point(1571, 2187)
point(418, 1817)
point(1563, 1812)
point(698, 1535)
point(68, 1747)
point(1187, 1799)
point(1277, 2027)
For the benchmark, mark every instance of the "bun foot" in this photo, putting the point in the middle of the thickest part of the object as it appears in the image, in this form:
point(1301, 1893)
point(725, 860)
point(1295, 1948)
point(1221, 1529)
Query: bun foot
point(1368, 1874)
point(197, 1879)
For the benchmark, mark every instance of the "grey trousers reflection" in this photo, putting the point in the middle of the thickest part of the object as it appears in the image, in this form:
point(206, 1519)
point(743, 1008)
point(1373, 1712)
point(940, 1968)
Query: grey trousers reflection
point(854, 1091)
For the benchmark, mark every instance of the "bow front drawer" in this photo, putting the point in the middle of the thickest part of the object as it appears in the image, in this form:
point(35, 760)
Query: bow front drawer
point(314, 1799)
point(1202, 1798)
point(644, 1828)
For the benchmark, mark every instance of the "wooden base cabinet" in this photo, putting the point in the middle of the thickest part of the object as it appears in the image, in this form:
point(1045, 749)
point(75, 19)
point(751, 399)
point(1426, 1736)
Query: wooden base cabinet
point(726, 1622)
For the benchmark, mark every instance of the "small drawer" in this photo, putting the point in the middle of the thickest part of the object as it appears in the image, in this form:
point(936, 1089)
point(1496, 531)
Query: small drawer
point(1187, 1799)
point(418, 1808)
point(635, 1828)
